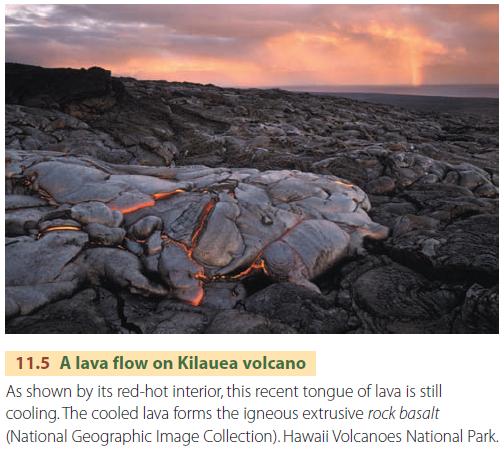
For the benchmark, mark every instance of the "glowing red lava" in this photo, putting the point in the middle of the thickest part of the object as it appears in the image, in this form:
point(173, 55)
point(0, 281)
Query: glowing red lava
point(58, 228)
point(156, 196)
point(196, 301)
point(257, 265)
point(202, 220)
point(163, 195)
point(61, 228)
point(133, 208)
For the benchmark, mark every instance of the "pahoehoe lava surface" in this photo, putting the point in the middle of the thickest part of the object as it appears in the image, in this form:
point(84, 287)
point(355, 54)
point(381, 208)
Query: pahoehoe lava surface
point(156, 207)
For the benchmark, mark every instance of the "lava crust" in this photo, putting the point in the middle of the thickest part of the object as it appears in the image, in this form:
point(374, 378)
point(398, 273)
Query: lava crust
point(185, 226)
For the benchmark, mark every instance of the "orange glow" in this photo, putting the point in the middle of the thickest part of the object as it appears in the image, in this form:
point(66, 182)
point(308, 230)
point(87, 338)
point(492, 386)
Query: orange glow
point(489, 20)
point(168, 239)
point(290, 58)
point(199, 275)
point(392, 55)
point(384, 53)
point(61, 228)
point(163, 195)
point(196, 301)
point(196, 69)
point(156, 196)
point(43, 194)
point(258, 264)
point(201, 223)
point(415, 47)
point(133, 208)
point(348, 185)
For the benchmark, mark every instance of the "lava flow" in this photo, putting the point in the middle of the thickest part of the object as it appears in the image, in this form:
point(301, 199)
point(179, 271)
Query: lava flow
point(196, 301)
point(258, 264)
point(199, 275)
point(163, 195)
point(58, 228)
point(147, 204)
point(133, 208)
point(202, 220)
point(62, 228)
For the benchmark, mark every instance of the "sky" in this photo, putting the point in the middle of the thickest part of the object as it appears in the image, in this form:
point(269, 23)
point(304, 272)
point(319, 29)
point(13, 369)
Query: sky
point(263, 45)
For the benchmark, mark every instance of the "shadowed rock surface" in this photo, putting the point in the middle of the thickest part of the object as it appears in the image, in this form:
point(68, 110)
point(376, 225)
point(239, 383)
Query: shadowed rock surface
point(125, 197)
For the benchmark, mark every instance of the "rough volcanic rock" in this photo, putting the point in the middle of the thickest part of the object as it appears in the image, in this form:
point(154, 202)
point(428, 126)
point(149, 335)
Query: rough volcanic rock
point(391, 298)
point(467, 248)
point(156, 122)
point(301, 309)
point(40, 270)
point(241, 322)
point(480, 311)
point(109, 180)
point(78, 314)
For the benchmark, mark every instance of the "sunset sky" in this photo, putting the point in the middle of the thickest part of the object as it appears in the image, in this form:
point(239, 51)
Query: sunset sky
point(263, 45)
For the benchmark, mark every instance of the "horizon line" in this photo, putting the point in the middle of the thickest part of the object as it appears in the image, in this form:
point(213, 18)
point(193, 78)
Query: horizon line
point(268, 86)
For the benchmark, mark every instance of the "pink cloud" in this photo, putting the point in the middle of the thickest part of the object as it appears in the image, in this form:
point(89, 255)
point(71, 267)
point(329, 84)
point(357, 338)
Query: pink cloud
point(264, 44)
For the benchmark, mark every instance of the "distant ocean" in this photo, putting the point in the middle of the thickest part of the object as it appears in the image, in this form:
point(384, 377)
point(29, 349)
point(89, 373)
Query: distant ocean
point(448, 90)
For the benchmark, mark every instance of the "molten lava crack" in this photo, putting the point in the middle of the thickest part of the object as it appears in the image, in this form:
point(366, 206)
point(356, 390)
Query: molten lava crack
point(198, 231)
point(165, 195)
point(58, 228)
point(202, 220)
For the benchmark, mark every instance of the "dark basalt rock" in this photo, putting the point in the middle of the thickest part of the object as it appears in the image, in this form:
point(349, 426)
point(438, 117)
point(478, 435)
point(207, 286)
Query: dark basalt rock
point(79, 314)
point(162, 317)
point(480, 311)
point(241, 322)
point(301, 309)
point(391, 298)
point(465, 249)
point(38, 86)
point(109, 179)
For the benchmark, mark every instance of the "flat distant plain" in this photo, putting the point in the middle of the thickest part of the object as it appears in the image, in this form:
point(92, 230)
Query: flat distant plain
point(479, 99)
point(426, 103)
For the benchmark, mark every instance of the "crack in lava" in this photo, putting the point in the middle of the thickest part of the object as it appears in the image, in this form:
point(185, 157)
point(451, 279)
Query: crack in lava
point(258, 265)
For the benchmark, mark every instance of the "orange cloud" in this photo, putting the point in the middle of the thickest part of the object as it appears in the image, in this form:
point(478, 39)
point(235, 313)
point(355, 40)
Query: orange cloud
point(414, 49)
point(263, 45)
point(387, 55)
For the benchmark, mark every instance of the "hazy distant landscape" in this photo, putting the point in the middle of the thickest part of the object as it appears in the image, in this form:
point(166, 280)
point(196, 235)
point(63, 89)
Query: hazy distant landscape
point(479, 99)
point(426, 103)
point(434, 90)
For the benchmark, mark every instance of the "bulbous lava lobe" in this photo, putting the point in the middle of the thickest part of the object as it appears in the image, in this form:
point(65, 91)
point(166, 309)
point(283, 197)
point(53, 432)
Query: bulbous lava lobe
point(191, 225)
